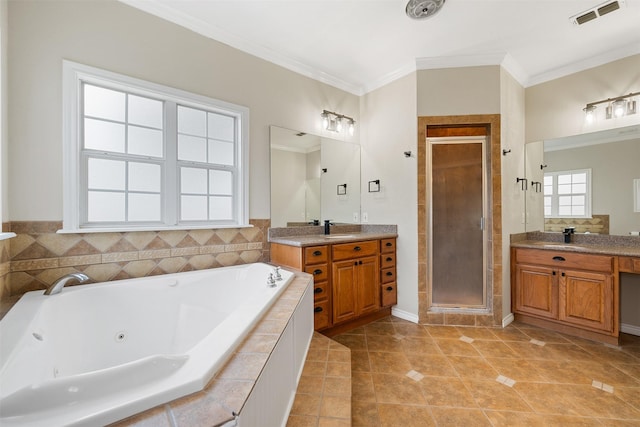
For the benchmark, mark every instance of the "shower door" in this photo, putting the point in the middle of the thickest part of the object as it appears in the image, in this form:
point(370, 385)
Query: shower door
point(458, 206)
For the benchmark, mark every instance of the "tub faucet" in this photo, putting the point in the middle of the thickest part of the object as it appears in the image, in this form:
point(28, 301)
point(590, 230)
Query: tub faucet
point(57, 286)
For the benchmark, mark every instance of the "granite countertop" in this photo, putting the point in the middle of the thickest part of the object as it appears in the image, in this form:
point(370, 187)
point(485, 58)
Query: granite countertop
point(313, 236)
point(594, 244)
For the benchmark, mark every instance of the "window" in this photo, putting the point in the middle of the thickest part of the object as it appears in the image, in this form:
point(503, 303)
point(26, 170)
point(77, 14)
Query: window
point(567, 194)
point(144, 156)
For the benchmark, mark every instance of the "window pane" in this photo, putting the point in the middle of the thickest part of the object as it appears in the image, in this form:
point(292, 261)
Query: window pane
point(220, 182)
point(220, 208)
point(579, 188)
point(106, 174)
point(564, 189)
point(193, 181)
point(144, 207)
point(579, 177)
point(144, 177)
point(145, 111)
point(548, 190)
point(548, 180)
point(221, 127)
point(564, 179)
point(547, 211)
point(564, 201)
point(192, 122)
point(103, 136)
point(547, 201)
point(145, 142)
point(221, 152)
point(578, 200)
point(193, 208)
point(564, 210)
point(192, 149)
point(104, 103)
point(105, 206)
point(577, 210)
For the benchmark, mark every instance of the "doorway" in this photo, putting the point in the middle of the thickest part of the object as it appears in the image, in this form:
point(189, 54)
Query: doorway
point(458, 237)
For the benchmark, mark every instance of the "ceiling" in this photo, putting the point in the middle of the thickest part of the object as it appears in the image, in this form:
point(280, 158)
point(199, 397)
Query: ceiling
point(360, 45)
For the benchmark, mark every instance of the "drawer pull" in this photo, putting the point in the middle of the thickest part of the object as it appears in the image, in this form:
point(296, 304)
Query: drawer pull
point(389, 259)
point(563, 274)
point(317, 290)
point(317, 253)
point(317, 271)
point(389, 288)
point(389, 273)
point(558, 258)
point(389, 244)
point(317, 310)
point(357, 248)
point(554, 273)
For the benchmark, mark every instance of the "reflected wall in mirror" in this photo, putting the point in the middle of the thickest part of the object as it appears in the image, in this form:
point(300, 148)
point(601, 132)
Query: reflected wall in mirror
point(613, 158)
point(307, 173)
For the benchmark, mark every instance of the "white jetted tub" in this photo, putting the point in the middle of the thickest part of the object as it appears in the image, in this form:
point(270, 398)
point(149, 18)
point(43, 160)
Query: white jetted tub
point(97, 353)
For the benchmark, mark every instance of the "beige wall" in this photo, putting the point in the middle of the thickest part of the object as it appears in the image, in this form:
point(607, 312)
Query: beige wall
point(554, 108)
point(389, 128)
point(512, 101)
point(116, 37)
point(4, 133)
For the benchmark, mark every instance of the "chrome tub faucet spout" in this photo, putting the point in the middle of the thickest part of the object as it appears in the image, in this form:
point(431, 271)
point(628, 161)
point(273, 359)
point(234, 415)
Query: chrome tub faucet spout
point(57, 286)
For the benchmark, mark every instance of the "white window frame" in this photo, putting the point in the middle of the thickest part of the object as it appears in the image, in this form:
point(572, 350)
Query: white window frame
point(555, 196)
point(74, 75)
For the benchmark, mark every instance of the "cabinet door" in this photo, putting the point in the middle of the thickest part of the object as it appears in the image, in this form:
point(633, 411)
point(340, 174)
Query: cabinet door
point(368, 290)
point(536, 291)
point(586, 299)
point(344, 290)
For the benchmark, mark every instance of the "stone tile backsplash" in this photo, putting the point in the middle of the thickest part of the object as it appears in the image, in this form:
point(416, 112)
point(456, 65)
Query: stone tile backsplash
point(38, 256)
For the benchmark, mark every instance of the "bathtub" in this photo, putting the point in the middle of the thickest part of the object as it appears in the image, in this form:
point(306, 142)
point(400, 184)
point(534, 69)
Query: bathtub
point(97, 353)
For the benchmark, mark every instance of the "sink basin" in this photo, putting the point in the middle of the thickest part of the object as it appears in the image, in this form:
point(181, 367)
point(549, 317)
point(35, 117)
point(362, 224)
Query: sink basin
point(339, 236)
point(561, 246)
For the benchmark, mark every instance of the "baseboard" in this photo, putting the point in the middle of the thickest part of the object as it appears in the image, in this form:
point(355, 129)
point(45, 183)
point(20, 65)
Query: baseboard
point(630, 329)
point(508, 319)
point(405, 315)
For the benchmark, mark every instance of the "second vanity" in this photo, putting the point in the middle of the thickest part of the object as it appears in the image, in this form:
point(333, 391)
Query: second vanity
point(354, 270)
point(572, 288)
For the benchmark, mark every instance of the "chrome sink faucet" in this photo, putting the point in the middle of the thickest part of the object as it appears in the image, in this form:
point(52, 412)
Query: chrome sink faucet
point(57, 286)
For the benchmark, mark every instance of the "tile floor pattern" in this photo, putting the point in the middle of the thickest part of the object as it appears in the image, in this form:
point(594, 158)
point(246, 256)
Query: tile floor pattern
point(475, 376)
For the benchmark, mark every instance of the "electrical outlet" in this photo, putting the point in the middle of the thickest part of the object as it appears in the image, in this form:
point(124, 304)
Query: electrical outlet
point(365, 217)
point(355, 217)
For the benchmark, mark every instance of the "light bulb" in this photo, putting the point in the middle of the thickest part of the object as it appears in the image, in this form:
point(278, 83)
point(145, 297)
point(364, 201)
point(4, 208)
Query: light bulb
point(619, 108)
point(589, 113)
point(339, 124)
point(325, 120)
point(351, 127)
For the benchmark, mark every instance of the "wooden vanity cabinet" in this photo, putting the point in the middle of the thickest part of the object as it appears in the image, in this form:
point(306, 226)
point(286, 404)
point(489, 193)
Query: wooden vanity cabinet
point(567, 288)
point(350, 279)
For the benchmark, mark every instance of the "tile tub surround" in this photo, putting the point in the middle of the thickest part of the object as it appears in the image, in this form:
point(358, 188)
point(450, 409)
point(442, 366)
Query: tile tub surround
point(38, 256)
point(227, 392)
point(520, 375)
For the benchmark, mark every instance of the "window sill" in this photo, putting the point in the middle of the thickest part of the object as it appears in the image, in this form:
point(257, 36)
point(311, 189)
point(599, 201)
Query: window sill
point(132, 230)
point(5, 236)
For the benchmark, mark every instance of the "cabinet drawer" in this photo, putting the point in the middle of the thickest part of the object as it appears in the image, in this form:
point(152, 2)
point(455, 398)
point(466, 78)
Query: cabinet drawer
point(561, 259)
point(321, 315)
point(387, 245)
point(320, 291)
point(354, 250)
point(387, 260)
point(629, 264)
point(316, 254)
point(320, 272)
point(388, 275)
point(389, 294)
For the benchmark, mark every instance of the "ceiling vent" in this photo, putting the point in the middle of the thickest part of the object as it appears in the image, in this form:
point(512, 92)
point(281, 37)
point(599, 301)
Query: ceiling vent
point(421, 9)
point(597, 12)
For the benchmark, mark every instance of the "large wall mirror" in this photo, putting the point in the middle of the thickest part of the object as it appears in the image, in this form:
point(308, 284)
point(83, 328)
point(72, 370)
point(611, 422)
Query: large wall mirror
point(612, 159)
point(313, 178)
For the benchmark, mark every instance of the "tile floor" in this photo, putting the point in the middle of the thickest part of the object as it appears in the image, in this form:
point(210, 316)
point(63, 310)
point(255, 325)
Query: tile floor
point(410, 375)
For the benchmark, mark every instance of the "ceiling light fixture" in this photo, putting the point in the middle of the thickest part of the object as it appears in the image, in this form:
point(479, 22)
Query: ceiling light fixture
point(620, 106)
point(421, 9)
point(334, 122)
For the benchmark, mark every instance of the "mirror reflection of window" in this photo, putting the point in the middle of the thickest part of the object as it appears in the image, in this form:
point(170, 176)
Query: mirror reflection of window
point(567, 194)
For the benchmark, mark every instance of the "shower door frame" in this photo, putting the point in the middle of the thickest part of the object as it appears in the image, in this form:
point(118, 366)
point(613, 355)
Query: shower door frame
point(484, 141)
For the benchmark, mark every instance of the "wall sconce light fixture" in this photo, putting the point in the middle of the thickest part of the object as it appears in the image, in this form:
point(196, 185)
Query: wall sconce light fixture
point(334, 122)
point(617, 107)
point(374, 186)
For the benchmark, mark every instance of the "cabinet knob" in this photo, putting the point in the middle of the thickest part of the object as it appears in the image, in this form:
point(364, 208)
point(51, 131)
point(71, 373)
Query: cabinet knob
point(553, 273)
point(317, 290)
point(389, 244)
point(317, 253)
point(357, 248)
point(389, 288)
point(317, 271)
point(558, 258)
point(389, 273)
point(563, 274)
point(389, 259)
point(317, 310)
